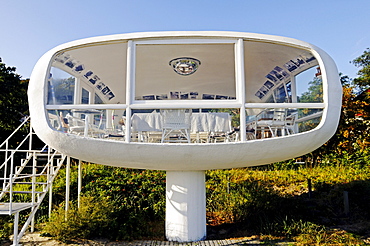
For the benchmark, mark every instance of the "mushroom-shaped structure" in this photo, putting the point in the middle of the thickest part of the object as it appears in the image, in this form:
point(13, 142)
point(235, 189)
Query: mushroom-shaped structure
point(185, 102)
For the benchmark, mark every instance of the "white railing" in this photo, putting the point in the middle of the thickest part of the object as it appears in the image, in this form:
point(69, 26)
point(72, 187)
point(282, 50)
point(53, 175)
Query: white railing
point(102, 121)
point(25, 172)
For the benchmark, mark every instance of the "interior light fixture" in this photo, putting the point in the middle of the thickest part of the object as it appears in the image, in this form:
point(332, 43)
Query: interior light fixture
point(184, 65)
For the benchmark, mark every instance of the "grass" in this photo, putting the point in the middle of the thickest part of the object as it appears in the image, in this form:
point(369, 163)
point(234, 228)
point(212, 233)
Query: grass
point(275, 202)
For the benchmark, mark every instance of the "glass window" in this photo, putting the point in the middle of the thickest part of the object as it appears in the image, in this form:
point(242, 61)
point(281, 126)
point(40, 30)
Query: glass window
point(309, 87)
point(185, 72)
point(99, 69)
point(97, 99)
point(270, 69)
point(85, 96)
point(280, 94)
point(61, 86)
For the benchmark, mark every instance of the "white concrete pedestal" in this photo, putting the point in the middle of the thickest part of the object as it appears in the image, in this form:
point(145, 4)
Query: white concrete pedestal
point(185, 206)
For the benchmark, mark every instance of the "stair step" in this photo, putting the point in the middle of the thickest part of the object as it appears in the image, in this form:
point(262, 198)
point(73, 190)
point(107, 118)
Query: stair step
point(39, 183)
point(15, 207)
point(34, 166)
point(46, 154)
point(24, 192)
point(29, 175)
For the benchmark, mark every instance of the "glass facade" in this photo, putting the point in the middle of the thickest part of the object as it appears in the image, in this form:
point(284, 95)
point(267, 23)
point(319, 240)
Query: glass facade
point(276, 93)
point(61, 87)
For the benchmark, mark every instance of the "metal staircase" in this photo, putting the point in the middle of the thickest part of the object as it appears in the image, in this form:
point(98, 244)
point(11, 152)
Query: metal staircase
point(26, 175)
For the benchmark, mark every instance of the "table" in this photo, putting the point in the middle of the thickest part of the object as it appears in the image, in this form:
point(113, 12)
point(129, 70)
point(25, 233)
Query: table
point(200, 122)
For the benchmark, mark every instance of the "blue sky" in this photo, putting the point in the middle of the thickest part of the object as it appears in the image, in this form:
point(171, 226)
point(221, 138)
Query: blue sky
point(29, 28)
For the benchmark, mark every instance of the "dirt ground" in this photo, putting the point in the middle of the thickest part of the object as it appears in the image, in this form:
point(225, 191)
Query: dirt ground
point(34, 239)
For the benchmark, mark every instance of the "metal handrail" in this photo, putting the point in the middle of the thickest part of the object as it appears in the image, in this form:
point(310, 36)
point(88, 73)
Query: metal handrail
point(24, 228)
point(14, 172)
point(11, 135)
point(15, 150)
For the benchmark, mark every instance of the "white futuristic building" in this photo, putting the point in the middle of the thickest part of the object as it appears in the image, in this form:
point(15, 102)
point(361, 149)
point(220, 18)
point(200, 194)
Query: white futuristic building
point(185, 102)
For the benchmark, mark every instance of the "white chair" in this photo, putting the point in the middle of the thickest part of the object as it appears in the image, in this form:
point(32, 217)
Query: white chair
point(76, 125)
point(277, 123)
point(269, 123)
point(176, 125)
point(261, 124)
point(82, 127)
point(199, 137)
point(290, 123)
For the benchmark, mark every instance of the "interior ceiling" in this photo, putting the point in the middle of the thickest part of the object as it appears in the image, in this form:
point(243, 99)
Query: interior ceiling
point(215, 75)
point(105, 65)
point(262, 58)
point(154, 75)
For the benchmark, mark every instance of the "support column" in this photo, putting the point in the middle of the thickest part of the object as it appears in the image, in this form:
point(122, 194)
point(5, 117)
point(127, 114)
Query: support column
point(79, 183)
point(15, 233)
point(68, 178)
point(185, 206)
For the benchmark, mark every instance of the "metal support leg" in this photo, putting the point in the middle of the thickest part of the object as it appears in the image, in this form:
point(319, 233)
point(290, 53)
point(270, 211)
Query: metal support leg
point(50, 199)
point(79, 185)
point(15, 233)
point(33, 191)
point(68, 178)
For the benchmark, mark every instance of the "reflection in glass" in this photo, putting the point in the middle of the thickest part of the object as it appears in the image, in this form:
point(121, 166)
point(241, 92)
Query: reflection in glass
point(85, 96)
point(309, 87)
point(61, 86)
point(98, 100)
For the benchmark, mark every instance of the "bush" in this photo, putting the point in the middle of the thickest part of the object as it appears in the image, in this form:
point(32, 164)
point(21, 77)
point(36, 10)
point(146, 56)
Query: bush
point(7, 227)
point(262, 199)
point(90, 220)
point(137, 197)
point(258, 199)
point(327, 237)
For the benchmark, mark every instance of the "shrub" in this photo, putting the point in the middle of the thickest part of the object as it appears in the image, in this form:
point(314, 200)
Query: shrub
point(262, 199)
point(327, 237)
point(7, 227)
point(137, 197)
point(90, 220)
point(258, 199)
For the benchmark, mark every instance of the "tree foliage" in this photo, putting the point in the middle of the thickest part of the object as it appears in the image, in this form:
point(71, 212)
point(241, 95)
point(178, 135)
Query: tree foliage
point(314, 92)
point(352, 134)
point(352, 137)
point(13, 99)
point(363, 62)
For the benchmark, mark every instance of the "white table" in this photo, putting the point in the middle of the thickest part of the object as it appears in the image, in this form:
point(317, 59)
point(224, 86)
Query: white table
point(200, 122)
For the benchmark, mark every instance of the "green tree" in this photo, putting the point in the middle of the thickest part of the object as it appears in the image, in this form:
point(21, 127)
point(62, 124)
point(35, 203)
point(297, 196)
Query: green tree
point(313, 93)
point(352, 137)
point(13, 100)
point(363, 62)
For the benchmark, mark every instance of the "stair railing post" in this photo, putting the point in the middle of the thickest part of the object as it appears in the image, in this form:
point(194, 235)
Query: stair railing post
point(34, 162)
point(15, 232)
point(30, 138)
point(6, 166)
point(49, 178)
point(11, 177)
point(50, 198)
point(33, 177)
point(68, 174)
point(79, 185)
